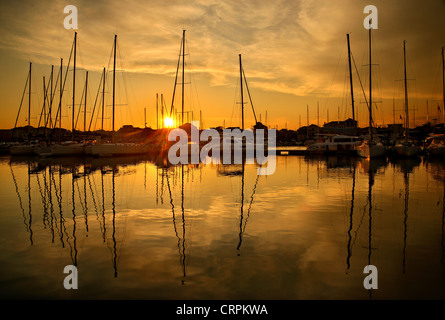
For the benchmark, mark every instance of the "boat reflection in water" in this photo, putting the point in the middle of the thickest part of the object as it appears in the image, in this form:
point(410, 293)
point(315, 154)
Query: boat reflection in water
point(140, 227)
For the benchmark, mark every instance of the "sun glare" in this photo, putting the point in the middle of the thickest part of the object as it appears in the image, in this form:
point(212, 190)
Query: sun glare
point(168, 122)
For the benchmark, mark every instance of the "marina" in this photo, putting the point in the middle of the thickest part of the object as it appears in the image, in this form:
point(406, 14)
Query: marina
point(194, 151)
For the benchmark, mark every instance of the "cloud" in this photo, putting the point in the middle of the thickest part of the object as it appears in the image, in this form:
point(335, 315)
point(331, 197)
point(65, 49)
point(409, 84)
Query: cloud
point(295, 47)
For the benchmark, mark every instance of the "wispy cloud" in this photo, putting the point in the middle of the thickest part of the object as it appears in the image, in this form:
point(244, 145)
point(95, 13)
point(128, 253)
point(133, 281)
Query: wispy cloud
point(296, 47)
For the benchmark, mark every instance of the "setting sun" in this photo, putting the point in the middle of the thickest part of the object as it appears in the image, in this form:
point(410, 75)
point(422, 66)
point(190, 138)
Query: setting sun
point(168, 122)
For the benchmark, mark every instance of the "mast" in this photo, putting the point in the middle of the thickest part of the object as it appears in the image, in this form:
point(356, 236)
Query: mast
point(85, 107)
point(29, 99)
point(242, 97)
point(370, 85)
point(427, 112)
point(318, 117)
point(162, 110)
point(114, 81)
point(352, 88)
point(183, 72)
point(103, 99)
point(44, 104)
point(443, 79)
point(200, 120)
point(74, 81)
point(394, 115)
point(60, 101)
point(51, 97)
point(406, 93)
point(157, 112)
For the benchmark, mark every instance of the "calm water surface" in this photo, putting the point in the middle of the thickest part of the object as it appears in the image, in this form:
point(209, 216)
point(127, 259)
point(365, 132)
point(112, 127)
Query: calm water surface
point(138, 230)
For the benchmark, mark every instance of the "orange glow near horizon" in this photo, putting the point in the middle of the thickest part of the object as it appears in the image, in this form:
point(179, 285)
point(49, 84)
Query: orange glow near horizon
point(168, 122)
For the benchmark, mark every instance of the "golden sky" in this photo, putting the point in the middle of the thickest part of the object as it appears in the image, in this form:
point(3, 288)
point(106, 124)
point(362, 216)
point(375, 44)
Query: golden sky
point(294, 54)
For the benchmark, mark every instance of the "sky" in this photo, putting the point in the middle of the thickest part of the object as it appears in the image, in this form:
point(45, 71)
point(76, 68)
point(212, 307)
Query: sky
point(294, 56)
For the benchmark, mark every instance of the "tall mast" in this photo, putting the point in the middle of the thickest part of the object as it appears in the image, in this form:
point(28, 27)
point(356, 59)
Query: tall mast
point(162, 110)
point(427, 112)
point(51, 97)
point(74, 82)
point(103, 99)
point(157, 112)
point(183, 71)
point(406, 93)
point(114, 81)
point(29, 100)
point(85, 107)
point(318, 117)
point(352, 88)
point(394, 115)
point(200, 120)
point(44, 106)
point(443, 79)
point(370, 85)
point(61, 94)
point(242, 97)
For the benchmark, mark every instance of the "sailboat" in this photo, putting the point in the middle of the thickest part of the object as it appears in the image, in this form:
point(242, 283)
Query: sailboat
point(339, 144)
point(249, 142)
point(370, 148)
point(435, 143)
point(113, 148)
point(69, 148)
point(27, 148)
point(406, 147)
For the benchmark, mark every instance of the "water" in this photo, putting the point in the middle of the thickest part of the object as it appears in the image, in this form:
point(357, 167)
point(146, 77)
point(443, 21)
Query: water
point(137, 230)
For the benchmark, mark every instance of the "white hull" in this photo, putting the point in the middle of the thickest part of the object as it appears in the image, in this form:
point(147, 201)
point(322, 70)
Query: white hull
point(117, 149)
point(335, 145)
point(373, 150)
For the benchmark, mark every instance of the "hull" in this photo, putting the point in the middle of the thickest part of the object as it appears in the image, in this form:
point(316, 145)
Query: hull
point(22, 150)
point(117, 149)
point(406, 150)
point(366, 150)
point(74, 149)
point(436, 151)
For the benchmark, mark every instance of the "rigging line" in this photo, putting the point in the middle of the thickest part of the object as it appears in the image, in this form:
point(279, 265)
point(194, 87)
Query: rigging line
point(95, 102)
point(45, 95)
point(48, 118)
point(21, 101)
point(192, 79)
point(176, 79)
point(59, 109)
point(234, 101)
point(250, 98)
point(78, 111)
point(335, 73)
point(360, 81)
point(361, 85)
